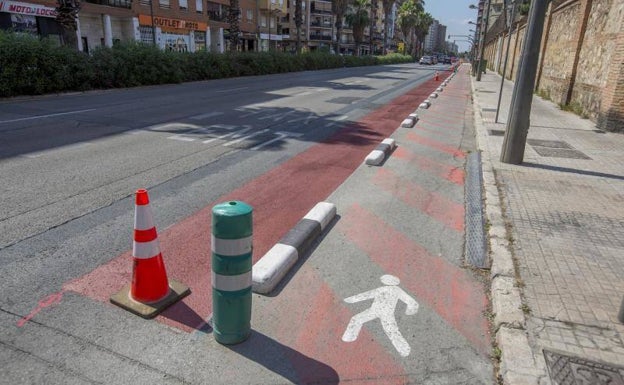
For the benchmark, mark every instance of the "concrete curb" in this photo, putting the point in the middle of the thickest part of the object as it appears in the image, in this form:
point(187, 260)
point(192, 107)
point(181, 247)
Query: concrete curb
point(377, 156)
point(518, 363)
point(273, 266)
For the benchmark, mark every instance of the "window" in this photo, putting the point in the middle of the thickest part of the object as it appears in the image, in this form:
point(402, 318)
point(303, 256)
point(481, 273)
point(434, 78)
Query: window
point(183, 4)
point(250, 15)
point(199, 6)
point(263, 21)
point(164, 4)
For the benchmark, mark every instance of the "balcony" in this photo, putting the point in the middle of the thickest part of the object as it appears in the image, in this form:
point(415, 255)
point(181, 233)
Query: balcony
point(319, 24)
point(316, 36)
point(113, 3)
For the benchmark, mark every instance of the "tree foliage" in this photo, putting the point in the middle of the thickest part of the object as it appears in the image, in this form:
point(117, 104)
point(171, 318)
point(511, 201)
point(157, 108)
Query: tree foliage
point(358, 19)
point(339, 8)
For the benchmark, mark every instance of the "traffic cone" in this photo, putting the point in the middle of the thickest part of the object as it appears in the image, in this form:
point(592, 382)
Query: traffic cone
point(150, 291)
point(437, 76)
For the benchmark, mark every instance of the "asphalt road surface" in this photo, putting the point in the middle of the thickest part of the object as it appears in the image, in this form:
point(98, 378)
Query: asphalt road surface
point(69, 165)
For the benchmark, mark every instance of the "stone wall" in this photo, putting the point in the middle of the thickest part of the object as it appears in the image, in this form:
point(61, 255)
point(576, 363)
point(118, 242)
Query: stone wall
point(556, 70)
point(582, 58)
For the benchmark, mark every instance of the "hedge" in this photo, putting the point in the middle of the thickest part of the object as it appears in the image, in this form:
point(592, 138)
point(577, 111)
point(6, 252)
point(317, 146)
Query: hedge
point(31, 66)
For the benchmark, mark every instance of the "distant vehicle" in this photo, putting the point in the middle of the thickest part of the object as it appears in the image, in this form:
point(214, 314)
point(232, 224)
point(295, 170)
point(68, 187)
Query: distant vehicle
point(426, 60)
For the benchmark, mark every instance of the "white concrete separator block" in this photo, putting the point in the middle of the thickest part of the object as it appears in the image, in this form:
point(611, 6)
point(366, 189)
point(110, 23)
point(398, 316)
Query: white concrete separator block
point(439, 89)
point(323, 213)
point(423, 106)
point(389, 141)
point(414, 116)
point(408, 123)
point(271, 268)
point(427, 101)
point(375, 158)
point(433, 95)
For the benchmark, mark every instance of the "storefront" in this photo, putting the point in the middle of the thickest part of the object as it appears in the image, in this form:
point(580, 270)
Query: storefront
point(173, 34)
point(30, 18)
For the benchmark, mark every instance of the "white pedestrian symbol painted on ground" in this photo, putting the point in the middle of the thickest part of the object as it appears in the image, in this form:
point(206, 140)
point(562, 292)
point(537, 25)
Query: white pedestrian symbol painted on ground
point(385, 299)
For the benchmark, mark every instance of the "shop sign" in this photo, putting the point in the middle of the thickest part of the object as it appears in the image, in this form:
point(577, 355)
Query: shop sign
point(27, 9)
point(167, 23)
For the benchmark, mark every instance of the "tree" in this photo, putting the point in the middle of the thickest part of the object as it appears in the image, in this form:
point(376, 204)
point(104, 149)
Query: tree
point(373, 23)
point(66, 16)
point(298, 22)
point(422, 28)
point(387, 10)
point(339, 8)
point(411, 14)
point(233, 15)
point(358, 20)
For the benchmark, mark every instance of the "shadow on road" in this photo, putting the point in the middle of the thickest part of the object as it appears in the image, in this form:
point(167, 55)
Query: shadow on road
point(300, 369)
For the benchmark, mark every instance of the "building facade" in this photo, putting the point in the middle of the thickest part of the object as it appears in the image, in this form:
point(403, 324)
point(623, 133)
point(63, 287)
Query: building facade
point(196, 25)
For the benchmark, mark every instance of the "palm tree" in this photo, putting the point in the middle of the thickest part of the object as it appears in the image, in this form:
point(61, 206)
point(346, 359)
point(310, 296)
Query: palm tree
point(358, 20)
point(408, 21)
point(422, 28)
point(373, 22)
point(339, 8)
point(234, 27)
point(298, 22)
point(387, 10)
point(66, 16)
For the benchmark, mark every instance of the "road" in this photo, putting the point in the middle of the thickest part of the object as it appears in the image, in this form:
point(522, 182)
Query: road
point(70, 164)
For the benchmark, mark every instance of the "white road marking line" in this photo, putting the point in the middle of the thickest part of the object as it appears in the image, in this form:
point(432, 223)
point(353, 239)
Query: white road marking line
point(246, 137)
point(232, 89)
point(181, 138)
point(280, 136)
point(207, 115)
point(232, 134)
point(46, 116)
point(336, 120)
point(39, 154)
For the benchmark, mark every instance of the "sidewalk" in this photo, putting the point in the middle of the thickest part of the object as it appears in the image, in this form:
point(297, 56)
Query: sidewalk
point(560, 218)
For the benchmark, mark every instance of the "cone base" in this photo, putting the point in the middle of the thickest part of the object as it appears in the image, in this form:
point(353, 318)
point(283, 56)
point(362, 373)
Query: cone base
point(122, 299)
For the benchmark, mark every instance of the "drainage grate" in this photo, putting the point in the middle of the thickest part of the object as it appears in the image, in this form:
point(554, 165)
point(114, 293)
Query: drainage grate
point(549, 143)
point(496, 132)
point(568, 370)
point(560, 153)
point(475, 247)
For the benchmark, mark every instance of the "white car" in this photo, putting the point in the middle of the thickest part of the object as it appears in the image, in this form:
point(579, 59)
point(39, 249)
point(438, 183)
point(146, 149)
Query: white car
point(426, 60)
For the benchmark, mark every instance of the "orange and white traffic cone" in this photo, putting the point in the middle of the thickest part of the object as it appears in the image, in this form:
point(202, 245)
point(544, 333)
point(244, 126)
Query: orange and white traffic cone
point(149, 277)
point(150, 291)
point(436, 76)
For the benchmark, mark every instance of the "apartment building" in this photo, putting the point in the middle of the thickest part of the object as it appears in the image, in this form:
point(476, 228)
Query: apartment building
point(195, 25)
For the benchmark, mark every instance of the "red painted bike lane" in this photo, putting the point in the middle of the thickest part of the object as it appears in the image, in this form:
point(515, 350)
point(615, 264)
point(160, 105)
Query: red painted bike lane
point(280, 198)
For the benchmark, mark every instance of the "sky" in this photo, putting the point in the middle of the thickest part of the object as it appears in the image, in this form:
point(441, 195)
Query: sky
point(455, 15)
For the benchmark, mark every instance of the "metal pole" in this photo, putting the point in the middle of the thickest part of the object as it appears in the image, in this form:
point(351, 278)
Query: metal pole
point(522, 97)
point(500, 91)
point(621, 314)
point(485, 28)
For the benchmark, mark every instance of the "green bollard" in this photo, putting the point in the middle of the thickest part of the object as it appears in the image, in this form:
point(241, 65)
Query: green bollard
point(231, 271)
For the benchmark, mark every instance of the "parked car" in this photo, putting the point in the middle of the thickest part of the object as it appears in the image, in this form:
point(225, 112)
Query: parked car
point(426, 60)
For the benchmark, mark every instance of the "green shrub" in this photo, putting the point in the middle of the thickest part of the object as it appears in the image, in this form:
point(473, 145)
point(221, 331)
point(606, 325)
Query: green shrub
point(29, 65)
